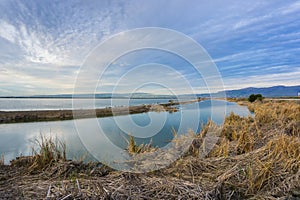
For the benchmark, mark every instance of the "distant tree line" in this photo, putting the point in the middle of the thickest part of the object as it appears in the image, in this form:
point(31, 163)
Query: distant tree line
point(254, 97)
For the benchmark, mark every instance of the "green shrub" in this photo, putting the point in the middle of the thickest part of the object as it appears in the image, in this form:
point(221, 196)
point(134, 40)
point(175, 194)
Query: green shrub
point(259, 97)
point(254, 97)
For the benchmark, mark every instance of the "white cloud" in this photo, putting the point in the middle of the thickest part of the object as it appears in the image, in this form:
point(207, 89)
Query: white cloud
point(64, 41)
point(288, 78)
point(294, 7)
point(7, 31)
point(44, 43)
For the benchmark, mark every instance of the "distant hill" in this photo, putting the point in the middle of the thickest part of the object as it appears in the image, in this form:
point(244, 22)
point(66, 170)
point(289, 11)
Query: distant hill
point(275, 91)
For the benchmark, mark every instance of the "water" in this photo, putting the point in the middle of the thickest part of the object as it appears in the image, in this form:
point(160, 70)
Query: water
point(18, 104)
point(83, 134)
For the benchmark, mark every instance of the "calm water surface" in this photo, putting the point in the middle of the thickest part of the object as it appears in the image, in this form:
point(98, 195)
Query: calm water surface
point(16, 139)
point(17, 104)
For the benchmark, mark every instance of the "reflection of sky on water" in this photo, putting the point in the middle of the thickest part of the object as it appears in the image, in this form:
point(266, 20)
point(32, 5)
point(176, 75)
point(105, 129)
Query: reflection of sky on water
point(15, 138)
point(17, 104)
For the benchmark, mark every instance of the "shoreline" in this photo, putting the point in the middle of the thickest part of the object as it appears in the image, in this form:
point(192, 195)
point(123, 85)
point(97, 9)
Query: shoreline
point(7, 117)
point(255, 158)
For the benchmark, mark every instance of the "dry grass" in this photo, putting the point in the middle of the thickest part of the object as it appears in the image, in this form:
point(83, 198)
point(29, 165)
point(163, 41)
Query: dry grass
point(2, 159)
point(255, 158)
point(49, 150)
point(133, 148)
point(265, 152)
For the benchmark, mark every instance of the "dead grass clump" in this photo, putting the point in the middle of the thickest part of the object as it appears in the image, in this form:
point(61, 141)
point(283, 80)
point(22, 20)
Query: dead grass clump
point(245, 142)
point(292, 128)
point(268, 170)
point(221, 149)
point(285, 150)
point(231, 125)
point(235, 125)
point(251, 107)
point(133, 148)
point(281, 159)
point(266, 154)
point(208, 138)
point(241, 134)
point(277, 113)
point(265, 115)
point(49, 151)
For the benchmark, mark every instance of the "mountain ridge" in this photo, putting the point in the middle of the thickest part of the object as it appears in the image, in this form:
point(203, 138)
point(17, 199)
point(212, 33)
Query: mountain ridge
point(274, 91)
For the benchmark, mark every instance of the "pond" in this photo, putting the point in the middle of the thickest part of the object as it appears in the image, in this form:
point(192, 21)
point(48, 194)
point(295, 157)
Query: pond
point(81, 134)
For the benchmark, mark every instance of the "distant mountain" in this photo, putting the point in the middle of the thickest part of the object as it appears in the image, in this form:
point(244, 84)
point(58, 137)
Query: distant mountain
point(275, 91)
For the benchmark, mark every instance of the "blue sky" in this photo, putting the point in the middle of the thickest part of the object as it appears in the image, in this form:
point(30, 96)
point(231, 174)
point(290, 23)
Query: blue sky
point(43, 43)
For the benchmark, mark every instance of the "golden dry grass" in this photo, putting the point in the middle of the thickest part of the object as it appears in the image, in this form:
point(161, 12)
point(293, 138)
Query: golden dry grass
point(255, 158)
point(49, 150)
point(133, 148)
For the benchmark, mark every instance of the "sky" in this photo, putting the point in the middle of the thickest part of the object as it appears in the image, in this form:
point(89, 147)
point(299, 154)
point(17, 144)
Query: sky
point(43, 44)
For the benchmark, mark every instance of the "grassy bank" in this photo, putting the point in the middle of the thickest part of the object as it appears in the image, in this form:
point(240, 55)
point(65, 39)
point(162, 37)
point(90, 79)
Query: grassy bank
point(255, 158)
point(58, 115)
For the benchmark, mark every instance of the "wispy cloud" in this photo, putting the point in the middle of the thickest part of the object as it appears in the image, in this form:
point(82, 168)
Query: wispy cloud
point(43, 44)
point(288, 78)
point(293, 7)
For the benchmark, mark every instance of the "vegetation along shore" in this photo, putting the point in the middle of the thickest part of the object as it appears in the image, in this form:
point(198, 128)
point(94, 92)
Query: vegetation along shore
point(55, 115)
point(256, 157)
